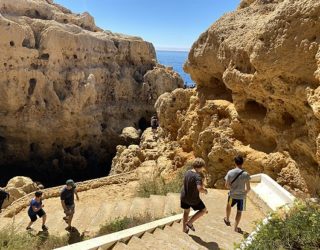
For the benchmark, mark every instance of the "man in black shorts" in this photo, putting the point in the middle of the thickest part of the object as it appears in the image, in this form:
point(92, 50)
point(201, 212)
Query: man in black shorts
point(238, 181)
point(192, 186)
point(67, 202)
point(35, 210)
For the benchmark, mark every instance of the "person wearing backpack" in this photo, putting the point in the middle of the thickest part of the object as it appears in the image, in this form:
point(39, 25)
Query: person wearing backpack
point(238, 181)
point(3, 195)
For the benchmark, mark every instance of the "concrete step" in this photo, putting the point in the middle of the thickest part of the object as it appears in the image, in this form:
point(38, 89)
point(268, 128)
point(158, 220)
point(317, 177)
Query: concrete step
point(156, 206)
point(172, 204)
point(176, 230)
point(180, 240)
point(120, 246)
point(163, 239)
point(139, 206)
point(121, 209)
point(137, 244)
point(156, 243)
point(101, 217)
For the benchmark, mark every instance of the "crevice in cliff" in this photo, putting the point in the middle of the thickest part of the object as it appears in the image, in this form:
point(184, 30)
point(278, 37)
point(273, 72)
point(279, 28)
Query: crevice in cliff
point(214, 90)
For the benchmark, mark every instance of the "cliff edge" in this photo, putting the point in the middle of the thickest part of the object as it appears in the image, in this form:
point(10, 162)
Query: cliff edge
point(68, 88)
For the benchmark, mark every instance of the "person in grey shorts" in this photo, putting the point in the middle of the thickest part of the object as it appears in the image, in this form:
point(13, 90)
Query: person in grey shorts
point(67, 201)
point(238, 181)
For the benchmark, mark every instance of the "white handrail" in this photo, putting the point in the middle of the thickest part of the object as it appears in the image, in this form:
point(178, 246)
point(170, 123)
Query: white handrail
point(109, 240)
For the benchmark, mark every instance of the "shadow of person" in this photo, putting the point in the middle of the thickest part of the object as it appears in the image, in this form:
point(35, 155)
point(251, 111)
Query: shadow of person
point(75, 236)
point(43, 236)
point(209, 245)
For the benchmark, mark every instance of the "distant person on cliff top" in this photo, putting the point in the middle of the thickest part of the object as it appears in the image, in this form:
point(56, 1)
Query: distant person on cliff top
point(67, 202)
point(36, 209)
point(192, 186)
point(238, 181)
point(3, 195)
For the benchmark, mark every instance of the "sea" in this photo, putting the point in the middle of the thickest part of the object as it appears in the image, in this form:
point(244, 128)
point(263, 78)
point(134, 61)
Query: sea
point(175, 59)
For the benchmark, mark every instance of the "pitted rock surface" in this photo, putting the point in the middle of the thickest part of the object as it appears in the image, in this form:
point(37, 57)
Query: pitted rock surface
point(68, 88)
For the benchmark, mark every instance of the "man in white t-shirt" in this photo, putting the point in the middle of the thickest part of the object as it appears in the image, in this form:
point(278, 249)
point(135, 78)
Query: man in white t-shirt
point(238, 181)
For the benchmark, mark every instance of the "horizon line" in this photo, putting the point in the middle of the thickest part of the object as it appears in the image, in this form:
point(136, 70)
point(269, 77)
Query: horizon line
point(172, 49)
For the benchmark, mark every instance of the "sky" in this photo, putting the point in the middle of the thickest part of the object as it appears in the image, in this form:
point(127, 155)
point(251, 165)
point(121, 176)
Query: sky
point(168, 24)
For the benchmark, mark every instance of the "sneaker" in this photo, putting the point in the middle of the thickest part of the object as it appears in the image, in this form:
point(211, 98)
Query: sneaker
point(44, 228)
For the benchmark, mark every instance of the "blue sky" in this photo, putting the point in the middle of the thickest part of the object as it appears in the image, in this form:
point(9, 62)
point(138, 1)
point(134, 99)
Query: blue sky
point(165, 23)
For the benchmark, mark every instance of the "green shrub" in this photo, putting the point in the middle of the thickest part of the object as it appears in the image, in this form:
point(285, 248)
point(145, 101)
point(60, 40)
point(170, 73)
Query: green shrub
point(158, 186)
point(296, 229)
point(123, 223)
point(10, 239)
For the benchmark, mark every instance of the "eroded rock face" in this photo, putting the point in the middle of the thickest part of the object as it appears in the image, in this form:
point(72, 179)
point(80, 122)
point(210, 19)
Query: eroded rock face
point(18, 187)
point(67, 88)
point(155, 156)
point(257, 74)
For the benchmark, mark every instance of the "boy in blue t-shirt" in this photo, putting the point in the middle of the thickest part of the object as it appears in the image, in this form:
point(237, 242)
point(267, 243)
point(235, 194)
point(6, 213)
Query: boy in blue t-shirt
point(35, 210)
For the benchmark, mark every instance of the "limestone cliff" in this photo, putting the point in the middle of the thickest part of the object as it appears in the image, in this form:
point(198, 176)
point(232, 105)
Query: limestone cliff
point(257, 72)
point(68, 88)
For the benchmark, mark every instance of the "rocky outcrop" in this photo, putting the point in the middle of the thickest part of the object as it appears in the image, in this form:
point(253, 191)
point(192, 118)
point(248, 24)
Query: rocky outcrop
point(155, 156)
point(257, 74)
point(18, 187)
point(67, 88)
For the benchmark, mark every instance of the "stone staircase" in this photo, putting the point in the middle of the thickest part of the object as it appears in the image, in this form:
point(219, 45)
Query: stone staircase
point(92, 212)
point(211, 232)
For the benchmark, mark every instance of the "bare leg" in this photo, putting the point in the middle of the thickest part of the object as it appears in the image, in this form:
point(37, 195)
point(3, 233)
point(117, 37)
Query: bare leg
point(70, 219)
point(238, 217)
point(197, 216)
point(185, 219)
point(44, 218)
point(30, 224)
point(228, 212)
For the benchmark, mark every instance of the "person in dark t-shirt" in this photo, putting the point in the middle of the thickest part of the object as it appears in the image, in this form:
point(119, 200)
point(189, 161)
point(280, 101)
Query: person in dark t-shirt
point(36, 209)
point(192, 186)
point(3, 195)
point(67, 201)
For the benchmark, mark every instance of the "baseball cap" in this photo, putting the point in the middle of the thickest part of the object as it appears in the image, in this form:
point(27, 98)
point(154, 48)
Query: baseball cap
point(70, 183)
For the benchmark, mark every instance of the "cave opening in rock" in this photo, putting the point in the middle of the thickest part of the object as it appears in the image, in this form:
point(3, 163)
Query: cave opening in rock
point(143, 124)
point(32, 85)
point(255, 110)
point(26, 43)
point(215, 89)
point(45, 56)
point(287, 119)
point(77, 162)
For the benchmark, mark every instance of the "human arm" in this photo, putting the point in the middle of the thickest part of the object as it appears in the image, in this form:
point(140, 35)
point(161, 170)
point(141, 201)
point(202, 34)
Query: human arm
point(227, 181)
point(76, 193)
point(64, 205)
point(201, 189)
point(248, 188)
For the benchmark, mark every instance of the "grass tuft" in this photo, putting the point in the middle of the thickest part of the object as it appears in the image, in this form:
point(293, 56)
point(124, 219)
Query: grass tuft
point(158, 186)
point(123, 223)
point(10, 239)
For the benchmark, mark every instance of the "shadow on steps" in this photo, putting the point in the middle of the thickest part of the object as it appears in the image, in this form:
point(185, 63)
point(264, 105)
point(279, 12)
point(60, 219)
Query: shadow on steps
point(209, 245)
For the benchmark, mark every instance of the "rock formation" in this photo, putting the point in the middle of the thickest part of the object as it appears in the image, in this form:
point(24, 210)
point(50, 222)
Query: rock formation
point(257, 72)
point(18, 187)
point(68, 88)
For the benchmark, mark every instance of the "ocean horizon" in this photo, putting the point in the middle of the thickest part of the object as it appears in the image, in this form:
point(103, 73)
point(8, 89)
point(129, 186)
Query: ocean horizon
point(175, 59)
